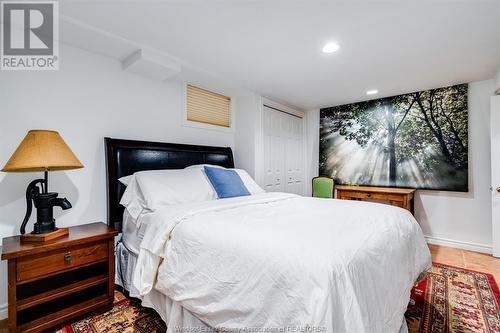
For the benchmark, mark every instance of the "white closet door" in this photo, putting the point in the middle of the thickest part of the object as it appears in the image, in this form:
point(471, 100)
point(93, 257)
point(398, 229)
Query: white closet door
point(274, 151)
point(293, 153)
point(283, 152)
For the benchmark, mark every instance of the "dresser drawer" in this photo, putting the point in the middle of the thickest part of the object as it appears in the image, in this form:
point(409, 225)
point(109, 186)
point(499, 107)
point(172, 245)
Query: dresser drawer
point(55, 261)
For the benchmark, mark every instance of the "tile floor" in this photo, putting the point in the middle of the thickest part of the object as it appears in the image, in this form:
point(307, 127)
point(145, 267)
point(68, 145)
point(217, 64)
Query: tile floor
point(467, 259)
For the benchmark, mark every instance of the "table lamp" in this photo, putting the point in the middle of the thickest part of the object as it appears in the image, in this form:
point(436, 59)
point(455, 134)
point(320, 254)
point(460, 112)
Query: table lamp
point(42, 150)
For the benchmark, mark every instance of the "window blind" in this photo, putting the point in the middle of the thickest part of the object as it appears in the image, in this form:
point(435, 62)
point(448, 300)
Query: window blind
point(207, 107)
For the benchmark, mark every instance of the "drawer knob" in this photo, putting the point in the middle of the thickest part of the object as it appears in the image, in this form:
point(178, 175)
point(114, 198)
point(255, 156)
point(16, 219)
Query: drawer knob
point(67, 257)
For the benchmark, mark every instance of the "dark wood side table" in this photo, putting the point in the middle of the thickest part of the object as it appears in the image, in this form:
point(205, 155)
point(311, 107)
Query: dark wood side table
point(401, 197)
point(57, 280)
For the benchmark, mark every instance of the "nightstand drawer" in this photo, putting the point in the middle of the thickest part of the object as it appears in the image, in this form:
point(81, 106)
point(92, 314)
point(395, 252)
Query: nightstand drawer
point(32, 267)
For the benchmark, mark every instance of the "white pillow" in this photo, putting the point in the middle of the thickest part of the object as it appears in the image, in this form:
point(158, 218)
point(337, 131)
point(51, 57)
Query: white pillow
point(249, 183)
point(149, 190)
point(125, 180)
point(247, 180)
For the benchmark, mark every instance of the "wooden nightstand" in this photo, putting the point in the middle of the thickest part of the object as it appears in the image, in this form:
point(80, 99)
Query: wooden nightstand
point(54, 281)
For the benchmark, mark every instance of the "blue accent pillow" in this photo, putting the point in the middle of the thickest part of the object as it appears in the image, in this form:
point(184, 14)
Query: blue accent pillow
point(227, 183)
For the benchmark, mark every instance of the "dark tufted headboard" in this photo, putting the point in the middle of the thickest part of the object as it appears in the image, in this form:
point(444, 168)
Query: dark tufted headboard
point(124, 157)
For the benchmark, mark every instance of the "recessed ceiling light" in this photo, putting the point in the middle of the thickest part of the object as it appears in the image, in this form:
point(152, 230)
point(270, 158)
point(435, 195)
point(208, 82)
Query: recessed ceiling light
point(331, 47)
point(372, 92)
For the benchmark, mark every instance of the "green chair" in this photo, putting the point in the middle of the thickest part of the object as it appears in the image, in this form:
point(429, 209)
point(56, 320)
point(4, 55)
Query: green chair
point(323, 187)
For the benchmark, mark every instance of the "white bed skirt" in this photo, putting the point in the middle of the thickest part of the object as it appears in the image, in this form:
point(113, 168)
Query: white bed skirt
point(172, 313)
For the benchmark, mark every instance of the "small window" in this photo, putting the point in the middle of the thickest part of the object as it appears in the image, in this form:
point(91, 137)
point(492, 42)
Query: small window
point(204, 106)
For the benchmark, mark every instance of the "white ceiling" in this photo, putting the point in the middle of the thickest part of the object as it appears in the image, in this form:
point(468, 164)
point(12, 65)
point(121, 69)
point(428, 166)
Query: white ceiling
point(274, 47)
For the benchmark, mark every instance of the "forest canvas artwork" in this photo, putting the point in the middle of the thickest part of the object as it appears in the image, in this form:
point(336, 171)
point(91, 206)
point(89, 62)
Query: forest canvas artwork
point(417, 140)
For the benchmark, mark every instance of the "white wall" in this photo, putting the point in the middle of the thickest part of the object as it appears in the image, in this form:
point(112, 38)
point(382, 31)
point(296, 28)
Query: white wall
point(449, 218)
point(247, 113)
point(312, 147)
point(90, 97)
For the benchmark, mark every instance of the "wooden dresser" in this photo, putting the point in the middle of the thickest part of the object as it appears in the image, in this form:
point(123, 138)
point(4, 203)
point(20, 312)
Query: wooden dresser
point(401, 197)
point(54, 281)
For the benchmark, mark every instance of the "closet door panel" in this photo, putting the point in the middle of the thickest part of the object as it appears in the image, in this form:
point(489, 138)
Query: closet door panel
point(295, 156)
point(273, 151)
point(290, 152)
point(298, 175)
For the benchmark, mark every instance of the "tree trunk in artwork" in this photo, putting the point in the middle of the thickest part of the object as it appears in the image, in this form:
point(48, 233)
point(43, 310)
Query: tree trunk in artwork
point(434, 127)
point(391, 143)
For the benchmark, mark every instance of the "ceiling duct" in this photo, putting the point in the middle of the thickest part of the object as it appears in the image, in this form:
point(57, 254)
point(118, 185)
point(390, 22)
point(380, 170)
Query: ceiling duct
point(151, 65)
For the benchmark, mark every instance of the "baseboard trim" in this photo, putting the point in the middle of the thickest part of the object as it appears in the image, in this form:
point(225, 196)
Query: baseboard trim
point(3, 311)
point(459, 244)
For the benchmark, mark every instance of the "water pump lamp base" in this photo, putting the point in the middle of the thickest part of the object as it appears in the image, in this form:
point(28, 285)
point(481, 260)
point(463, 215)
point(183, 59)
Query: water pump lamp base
point(59, 232)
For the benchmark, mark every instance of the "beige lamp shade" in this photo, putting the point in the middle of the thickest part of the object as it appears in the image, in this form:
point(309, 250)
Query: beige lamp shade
point(42, 150)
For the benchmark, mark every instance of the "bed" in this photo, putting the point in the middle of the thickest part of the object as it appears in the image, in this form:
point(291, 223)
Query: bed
point(265, 262)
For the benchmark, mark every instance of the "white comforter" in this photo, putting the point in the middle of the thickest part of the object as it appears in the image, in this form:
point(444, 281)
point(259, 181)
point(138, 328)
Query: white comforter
point(279, 261)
